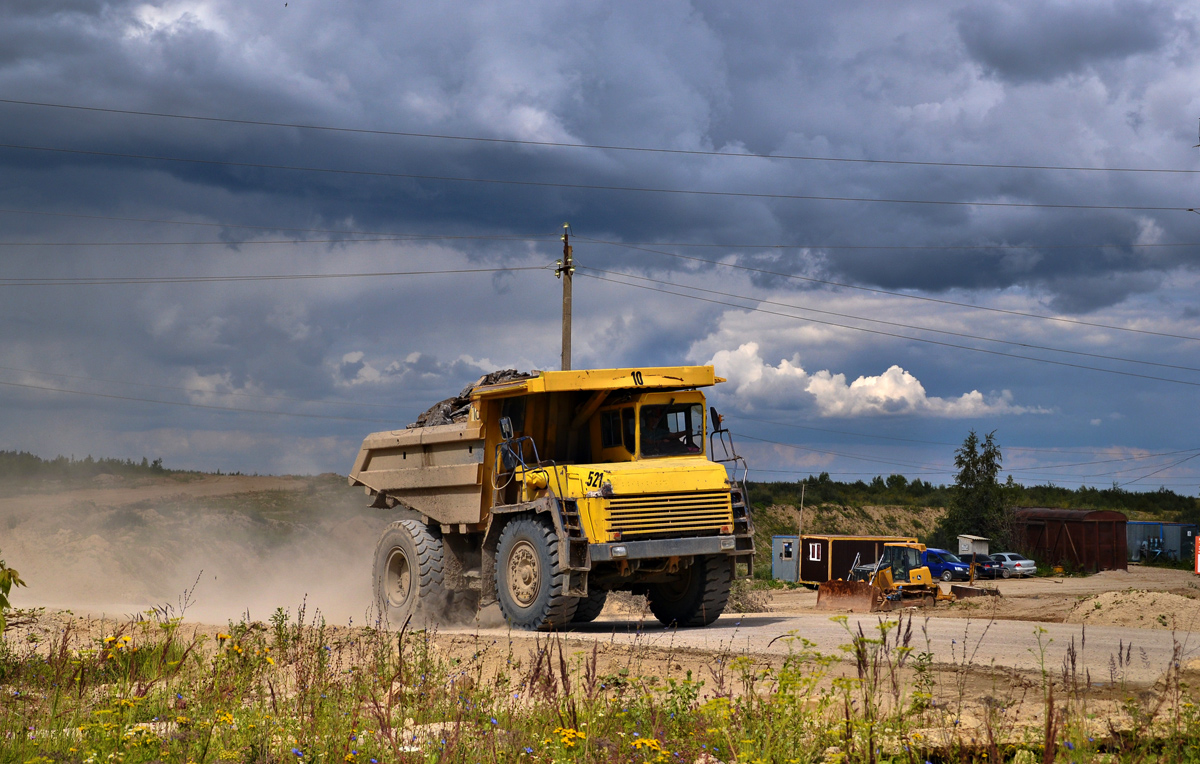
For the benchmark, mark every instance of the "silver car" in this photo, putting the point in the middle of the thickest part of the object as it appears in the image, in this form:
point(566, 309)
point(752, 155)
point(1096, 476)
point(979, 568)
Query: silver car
point(1015, 564)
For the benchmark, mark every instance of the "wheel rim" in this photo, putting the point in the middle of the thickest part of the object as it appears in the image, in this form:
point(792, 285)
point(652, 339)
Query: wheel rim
point(398, 578)
point(524, 574)
point(676, 589)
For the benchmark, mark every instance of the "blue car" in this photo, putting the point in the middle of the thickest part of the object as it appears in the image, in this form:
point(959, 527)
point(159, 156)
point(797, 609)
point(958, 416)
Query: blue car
point(944, 565)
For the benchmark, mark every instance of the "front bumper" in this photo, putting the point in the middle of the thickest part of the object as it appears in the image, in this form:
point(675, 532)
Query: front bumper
point(641, 550)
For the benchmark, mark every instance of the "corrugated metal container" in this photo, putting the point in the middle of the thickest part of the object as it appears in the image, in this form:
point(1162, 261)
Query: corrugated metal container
point(1083, 538)
point(1154, 540)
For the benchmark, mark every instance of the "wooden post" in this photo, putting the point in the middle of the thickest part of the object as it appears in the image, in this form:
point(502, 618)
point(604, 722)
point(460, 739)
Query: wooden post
point(566, 268)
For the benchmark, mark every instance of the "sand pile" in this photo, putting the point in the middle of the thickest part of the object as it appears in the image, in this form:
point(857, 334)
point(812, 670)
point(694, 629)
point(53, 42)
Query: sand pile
point(1138, 608)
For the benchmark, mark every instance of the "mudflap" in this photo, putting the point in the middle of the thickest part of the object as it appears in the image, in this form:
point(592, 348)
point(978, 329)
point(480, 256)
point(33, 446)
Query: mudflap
point(849, 596)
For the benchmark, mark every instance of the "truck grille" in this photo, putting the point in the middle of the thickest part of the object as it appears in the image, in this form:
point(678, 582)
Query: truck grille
point(670, 514)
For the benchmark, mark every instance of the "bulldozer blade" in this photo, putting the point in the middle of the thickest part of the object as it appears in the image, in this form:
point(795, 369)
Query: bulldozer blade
point(852, 596)
point(963, 592)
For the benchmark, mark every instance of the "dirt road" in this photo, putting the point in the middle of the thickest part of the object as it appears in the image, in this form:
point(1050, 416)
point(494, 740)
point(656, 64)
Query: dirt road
point(977, 645)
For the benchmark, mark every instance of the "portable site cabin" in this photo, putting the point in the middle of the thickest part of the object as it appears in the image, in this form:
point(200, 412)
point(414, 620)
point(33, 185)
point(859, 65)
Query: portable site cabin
point(1092, 540)
point(816, 558)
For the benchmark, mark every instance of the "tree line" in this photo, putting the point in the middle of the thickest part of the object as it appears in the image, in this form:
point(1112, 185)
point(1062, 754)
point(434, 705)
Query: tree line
point(22, 465)
point(978, 502)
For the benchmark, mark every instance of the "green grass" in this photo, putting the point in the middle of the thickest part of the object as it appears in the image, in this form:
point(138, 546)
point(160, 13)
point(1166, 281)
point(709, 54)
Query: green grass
point(290, 691)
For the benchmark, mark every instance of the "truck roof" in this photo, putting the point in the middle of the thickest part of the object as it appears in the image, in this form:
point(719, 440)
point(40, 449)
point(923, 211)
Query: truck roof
point(649, 378)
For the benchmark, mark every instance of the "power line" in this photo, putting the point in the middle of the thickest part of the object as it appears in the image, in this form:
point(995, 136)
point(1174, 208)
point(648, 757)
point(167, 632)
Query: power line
point(898, 294)
point(596, 146)
point(240, 243)
point(195, 390)
point(1017, 470)
point(634, 244)
point(589, 186)
point(168, 221)
point(905, 440)
point(934, 468)
point(896, 323)
point(890, 334)
point(1164, 469)
point(115, 280)
point(192, 405)
point(626, 245)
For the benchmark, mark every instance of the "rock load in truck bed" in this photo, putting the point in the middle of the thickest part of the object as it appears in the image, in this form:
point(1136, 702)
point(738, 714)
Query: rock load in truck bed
point(455, 409)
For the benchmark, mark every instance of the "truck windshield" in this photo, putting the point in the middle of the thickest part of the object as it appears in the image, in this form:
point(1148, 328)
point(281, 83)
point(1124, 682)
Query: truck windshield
point(672, 429)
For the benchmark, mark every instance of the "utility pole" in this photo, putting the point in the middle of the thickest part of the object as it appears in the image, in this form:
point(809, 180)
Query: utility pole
point(565, 269)
point(800, 527)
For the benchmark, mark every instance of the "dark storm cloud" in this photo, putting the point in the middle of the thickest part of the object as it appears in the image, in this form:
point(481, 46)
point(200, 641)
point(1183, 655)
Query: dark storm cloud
point(778, 81)
point(918, 81)
point(1040, 42)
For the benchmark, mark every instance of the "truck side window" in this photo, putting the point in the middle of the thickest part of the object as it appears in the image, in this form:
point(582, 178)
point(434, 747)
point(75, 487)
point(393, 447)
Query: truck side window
point(610, 429)
point(514, 409)
point(628, 430)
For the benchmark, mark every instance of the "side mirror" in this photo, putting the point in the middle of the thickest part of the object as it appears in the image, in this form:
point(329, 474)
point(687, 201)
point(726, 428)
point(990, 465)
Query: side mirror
point(506, 429)
point(715, 417)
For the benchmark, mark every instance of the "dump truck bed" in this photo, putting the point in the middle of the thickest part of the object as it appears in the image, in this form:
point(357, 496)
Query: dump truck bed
point(436, 470)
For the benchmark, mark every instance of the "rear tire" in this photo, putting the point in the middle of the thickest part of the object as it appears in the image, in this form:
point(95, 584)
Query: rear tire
point(531, 584)
point(697, 597)
point(1006, 573)
point(589, 607)
point(409, 573)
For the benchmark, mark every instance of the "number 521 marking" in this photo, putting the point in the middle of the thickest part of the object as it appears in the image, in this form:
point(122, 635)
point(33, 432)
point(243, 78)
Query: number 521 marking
point(593, 479)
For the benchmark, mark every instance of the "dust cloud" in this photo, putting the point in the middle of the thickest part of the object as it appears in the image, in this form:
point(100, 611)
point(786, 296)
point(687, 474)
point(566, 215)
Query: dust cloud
point(242, 546)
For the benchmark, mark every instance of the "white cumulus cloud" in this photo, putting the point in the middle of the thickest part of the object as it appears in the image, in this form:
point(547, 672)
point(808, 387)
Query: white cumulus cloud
point(758, 384)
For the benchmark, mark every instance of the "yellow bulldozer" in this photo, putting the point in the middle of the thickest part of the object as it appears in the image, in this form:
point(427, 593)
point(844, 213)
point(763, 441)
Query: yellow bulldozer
point(897, 579)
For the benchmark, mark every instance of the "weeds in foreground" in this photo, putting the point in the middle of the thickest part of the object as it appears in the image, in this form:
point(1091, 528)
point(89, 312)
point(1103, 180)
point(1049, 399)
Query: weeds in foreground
point(296, 690)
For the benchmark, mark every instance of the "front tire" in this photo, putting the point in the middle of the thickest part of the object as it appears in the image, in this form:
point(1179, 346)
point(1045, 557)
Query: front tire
point(947, 576)
point(531, 584)
point(697, 597)
point(409, 572)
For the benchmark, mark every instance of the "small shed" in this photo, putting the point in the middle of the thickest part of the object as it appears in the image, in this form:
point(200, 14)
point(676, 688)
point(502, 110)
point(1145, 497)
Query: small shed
point(972, 545)
point(1088, 539)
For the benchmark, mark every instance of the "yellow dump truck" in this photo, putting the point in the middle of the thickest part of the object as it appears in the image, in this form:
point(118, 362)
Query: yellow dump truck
point(545, 491)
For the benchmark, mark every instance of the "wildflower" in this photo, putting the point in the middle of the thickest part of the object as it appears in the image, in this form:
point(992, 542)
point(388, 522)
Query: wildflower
point(494, 722)
point(297, 751)
point(1070, 746)
point(222, 637)
point(270, 660)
